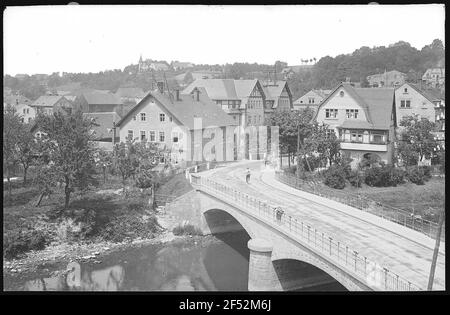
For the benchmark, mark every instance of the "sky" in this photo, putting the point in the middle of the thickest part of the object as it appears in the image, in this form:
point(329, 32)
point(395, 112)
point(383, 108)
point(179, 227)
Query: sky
point(81, 38)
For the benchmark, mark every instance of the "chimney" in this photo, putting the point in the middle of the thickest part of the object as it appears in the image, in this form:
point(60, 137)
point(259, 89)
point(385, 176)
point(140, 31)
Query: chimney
point(197, 95)
point(177, 95)
point(160, 85)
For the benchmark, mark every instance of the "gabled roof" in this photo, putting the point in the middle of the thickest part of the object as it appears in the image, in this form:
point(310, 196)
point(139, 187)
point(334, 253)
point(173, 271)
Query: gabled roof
point(130, 92)
point(430, 95)
point(377, 104)
point(101, 98)
point(105, 123)
point(223, 89)
point(274, 91)
point(185, 110)
point(47, 100)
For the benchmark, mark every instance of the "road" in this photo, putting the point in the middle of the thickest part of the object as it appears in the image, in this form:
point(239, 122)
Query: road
point(404, 251)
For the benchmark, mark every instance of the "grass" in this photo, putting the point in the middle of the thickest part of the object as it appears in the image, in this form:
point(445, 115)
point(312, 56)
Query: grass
point(410, 197)
point(175, 186)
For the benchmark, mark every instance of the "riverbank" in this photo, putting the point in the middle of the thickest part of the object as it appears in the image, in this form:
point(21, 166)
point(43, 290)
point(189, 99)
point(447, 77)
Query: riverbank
point(54, 259)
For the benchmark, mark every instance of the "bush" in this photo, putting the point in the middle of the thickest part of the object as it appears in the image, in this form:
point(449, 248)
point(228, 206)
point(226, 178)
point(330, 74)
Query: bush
point(426, 172)
point(416, 175)
point(187, 229)
point(126, 226)
point(17, 242)
point(335, 177)
point(384, 176)
point(355, 178)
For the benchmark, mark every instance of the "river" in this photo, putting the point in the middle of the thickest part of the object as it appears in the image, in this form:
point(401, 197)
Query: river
point(217, 263)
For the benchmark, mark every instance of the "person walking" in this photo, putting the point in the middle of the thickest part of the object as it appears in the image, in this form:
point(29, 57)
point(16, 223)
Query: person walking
point(247, 177)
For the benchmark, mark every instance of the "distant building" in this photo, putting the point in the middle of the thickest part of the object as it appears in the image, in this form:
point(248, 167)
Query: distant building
point(243, 100)
point(48, 104)
point(168, 121)
point(15, 100)
point(176, 65)
point(21, 76)
point(205, 74)
point(392, 78)
point(411, 100)
point(278, 96)
point(147, 65)
point(104, 132)
point(311, 99)
point(184, 79)
point(130, 95)
point(95, 102)
point(288, 72)
point(363, 119)
point(434, 77)
point(26, 112)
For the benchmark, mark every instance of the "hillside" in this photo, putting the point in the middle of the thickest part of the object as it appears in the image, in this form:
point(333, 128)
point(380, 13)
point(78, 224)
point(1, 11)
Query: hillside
point(325, 74)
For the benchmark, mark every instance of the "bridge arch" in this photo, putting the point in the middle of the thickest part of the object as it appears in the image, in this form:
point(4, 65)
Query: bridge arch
point(219, 221)
point(295, 274)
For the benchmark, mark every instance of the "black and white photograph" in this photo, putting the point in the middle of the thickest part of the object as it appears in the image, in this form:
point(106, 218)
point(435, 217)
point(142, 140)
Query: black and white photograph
point(264, 149)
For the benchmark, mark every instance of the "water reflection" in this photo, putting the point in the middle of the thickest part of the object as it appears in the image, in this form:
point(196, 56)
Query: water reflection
point(221, 265)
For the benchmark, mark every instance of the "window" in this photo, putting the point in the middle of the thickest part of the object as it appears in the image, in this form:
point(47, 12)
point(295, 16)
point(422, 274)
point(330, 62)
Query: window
point(162, 117)
point(341, 93)
point(311, 100)
point(152, 136)
point(405, 104)
point(130, 134)
point(351, 113)
point(331, 113)
point(24, 110)
point(142, 135)
point(170, 118)
point(143, 117)
point(134, 117)
point(405, 90)
point(28, 110)
point(174, 137)
point(161, 136)
point(356, 136)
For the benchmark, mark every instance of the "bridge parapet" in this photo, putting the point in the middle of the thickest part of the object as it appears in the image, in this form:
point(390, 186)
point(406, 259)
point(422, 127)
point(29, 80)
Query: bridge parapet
point(370, 273)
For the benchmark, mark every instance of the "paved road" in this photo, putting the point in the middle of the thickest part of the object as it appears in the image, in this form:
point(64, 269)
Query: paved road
point(407, 253)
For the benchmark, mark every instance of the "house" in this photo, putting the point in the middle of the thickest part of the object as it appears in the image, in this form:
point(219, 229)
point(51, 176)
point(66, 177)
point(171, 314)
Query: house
point(98, 101)
point(278, 96)
point(184, 79)
point(130, 95)
point(411, 100)
point(363, 119)
point(311, 99)
point(48, 104)
point(105, 131)
point(392, 78)
point(205, 74)
point(176, 65)
point(434, 77)
point(290, 71)
point(172, 122)
point(243, 100)
point(26, 112)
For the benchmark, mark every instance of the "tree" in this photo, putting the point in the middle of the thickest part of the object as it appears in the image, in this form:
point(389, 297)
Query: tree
point(291, 124)
point(417, 141)
point(27, 148)
point(11, 130)
point(324, 142)
point(67, 140)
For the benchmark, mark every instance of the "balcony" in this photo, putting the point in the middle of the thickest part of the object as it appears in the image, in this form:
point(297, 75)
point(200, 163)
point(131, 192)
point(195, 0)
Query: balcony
point(361, 146)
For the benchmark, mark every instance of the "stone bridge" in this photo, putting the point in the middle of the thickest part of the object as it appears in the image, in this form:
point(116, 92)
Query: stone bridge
point(281, 237)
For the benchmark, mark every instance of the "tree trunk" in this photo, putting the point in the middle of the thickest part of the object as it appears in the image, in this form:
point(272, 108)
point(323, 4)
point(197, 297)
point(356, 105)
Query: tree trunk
point(40, 199)
point(8, 175)
point(25, 169)
point(67, 193)
point(289, 159)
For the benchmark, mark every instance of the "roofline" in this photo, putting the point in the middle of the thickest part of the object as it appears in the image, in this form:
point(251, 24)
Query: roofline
point(133, 108)
point(417, 90)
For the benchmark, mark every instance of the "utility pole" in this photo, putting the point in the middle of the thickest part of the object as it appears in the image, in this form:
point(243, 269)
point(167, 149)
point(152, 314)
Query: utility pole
point(436, 251)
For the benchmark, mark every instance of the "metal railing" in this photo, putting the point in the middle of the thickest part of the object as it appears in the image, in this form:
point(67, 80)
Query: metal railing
point(363, 203)
point(369, 273)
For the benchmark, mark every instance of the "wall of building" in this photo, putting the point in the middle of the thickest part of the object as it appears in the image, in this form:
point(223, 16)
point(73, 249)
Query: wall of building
point(419, 104)
point(341, 103)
